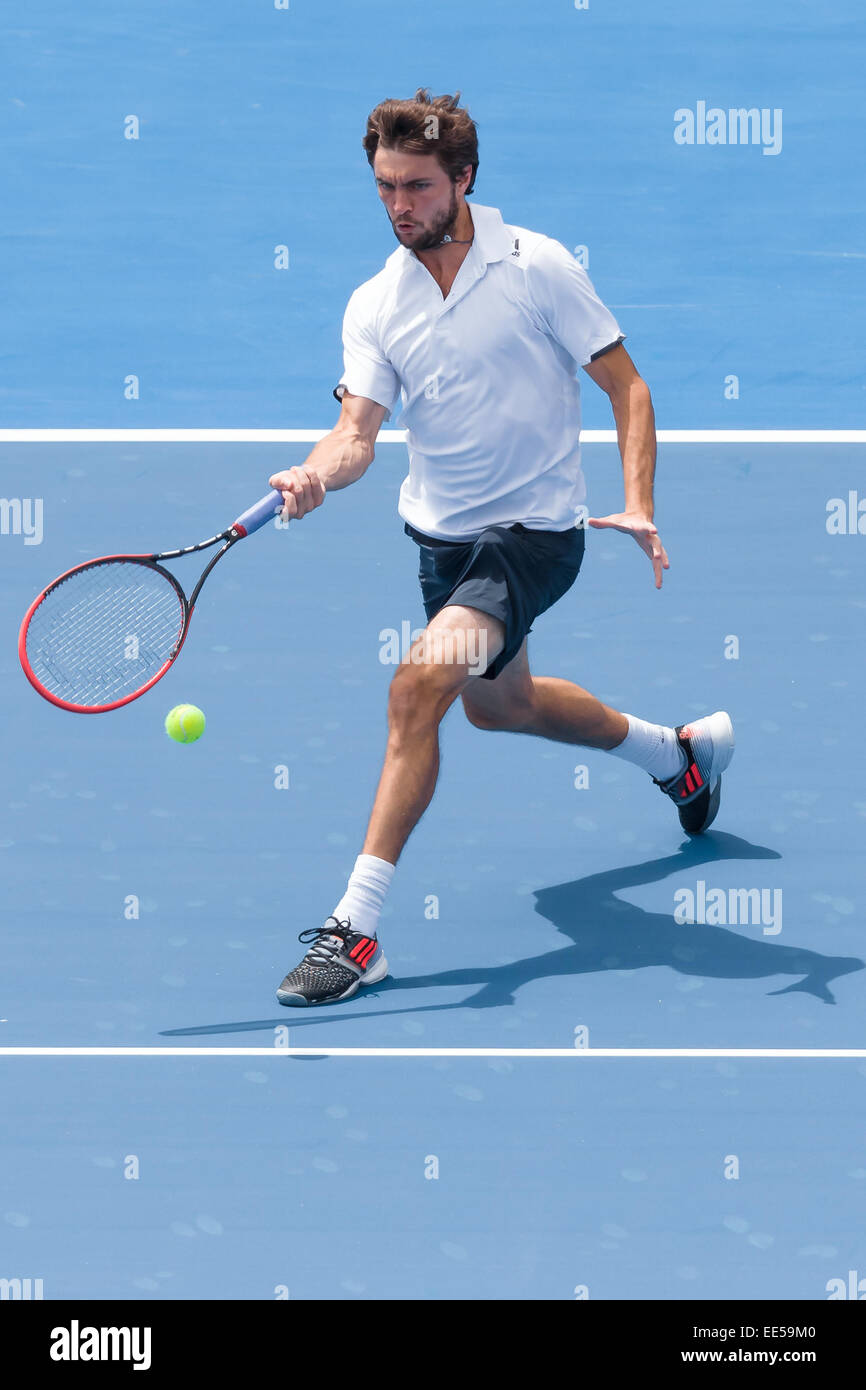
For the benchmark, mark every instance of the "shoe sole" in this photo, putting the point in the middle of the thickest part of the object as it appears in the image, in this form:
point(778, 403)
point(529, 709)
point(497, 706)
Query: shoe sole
point(373, 977)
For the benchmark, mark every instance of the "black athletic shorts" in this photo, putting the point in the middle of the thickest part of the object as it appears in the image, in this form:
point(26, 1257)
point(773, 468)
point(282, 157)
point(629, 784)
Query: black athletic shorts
point(511, 572)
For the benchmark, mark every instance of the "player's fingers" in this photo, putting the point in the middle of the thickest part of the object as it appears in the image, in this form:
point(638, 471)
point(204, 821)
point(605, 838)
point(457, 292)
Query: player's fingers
point(317, 487)
point(313, 491)
point(278, 481)
point(302, 491)
point(656, 562)
point(659, 560)
point(281, 482)
point(659, 550)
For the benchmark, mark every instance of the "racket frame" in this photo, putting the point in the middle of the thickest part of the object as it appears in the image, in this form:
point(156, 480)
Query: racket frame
point(230, 537)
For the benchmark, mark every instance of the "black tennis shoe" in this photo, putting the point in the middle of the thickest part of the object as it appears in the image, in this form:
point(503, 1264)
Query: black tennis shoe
point(337, 964)
point(708, 744)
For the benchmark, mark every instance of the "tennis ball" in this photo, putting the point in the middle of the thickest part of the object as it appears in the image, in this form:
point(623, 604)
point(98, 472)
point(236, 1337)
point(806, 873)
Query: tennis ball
point(184, 723)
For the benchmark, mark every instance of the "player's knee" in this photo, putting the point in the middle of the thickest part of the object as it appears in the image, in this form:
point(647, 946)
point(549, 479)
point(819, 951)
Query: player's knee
point(419, 694)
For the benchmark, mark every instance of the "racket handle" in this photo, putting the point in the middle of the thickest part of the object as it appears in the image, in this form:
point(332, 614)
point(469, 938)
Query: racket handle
point(259, 515)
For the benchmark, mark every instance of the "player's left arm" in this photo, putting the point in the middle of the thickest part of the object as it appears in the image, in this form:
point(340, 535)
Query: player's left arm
point(632, 408)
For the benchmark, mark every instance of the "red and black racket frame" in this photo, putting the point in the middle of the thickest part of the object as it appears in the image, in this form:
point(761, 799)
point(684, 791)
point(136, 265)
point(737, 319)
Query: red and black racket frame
point(250, 521)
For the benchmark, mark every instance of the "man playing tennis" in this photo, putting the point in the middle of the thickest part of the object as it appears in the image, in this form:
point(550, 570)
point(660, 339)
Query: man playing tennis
point(480, 327)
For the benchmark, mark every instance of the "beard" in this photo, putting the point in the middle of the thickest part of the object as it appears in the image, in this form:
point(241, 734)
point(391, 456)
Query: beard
point(443, 225)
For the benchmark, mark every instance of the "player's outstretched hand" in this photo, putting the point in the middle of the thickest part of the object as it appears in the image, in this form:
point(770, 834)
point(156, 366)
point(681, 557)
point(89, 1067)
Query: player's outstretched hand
point(644, 533)
point(302, 491)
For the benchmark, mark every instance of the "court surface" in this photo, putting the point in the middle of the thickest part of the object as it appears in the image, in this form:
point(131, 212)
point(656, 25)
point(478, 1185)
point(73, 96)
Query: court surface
point(154, 893)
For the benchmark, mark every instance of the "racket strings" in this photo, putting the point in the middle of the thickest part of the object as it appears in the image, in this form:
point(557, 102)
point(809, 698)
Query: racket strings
point(104, 632)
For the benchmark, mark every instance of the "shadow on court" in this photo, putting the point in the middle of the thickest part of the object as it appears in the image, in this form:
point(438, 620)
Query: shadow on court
point(610, 934)
point(607, 934)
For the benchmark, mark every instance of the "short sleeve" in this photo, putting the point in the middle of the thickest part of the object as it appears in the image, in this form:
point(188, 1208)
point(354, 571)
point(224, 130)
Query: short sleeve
point(566, 301)
point(366, 369)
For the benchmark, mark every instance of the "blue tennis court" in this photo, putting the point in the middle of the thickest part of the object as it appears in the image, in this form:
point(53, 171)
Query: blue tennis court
point(548, 910)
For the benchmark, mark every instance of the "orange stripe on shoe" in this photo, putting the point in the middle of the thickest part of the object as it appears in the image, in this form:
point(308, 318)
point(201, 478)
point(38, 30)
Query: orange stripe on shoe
point(363, 951)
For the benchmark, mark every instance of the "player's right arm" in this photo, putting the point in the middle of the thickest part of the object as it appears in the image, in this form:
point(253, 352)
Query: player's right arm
point(340, 458)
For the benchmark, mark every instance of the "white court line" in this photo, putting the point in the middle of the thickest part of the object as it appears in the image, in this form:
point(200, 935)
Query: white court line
point(698, 1052)
point(168, 436)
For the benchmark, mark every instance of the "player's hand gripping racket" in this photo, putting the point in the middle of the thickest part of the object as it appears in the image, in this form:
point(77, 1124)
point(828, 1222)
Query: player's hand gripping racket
point(106, 631)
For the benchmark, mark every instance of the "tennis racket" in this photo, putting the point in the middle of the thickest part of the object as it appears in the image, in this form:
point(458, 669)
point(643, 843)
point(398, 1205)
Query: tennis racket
point(106, 631)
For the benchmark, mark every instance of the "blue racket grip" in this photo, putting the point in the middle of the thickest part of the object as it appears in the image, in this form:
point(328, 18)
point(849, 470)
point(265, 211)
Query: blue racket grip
point(255, 517)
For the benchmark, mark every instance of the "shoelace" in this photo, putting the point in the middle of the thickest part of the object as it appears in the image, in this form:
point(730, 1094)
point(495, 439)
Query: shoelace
point(324, 952)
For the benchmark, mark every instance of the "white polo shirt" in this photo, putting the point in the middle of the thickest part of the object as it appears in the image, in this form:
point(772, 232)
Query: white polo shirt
point(487, 377)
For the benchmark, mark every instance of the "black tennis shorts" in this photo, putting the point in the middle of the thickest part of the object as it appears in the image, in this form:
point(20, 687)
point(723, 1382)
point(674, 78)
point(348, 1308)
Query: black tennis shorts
point(508, 571)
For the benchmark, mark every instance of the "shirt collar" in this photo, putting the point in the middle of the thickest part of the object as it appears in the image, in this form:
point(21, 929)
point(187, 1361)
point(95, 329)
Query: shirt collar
point(492, 240)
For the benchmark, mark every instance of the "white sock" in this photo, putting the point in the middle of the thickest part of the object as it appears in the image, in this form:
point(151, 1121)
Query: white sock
point(653, 747)
point(365, 892)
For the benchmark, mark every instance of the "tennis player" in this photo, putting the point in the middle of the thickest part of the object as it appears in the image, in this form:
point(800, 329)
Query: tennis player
point(480, 328)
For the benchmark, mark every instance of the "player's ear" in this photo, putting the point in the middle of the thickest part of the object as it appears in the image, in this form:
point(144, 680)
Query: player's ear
point(464, 180)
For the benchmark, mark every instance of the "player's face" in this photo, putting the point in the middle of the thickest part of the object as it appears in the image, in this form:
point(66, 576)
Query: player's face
point(419, 197)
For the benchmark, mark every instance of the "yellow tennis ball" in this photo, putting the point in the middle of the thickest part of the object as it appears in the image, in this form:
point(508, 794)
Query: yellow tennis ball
point(184, 723)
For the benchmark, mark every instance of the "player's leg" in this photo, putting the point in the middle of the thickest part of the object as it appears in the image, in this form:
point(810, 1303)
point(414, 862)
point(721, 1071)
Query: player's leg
point(686, 761)
point(345, 954)
point(542, 705)
point(455, 646)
